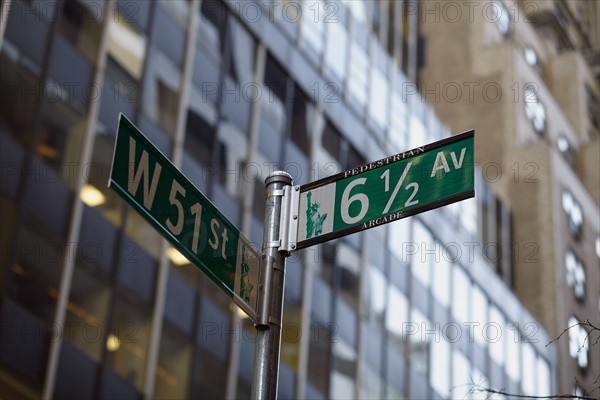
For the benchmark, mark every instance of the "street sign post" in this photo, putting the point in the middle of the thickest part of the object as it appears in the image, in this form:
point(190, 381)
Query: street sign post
point(155, 188)
point(385, 190)
point(371, 195)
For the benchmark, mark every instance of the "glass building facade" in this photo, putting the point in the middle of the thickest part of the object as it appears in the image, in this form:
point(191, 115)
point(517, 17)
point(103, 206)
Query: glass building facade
point(95, 304)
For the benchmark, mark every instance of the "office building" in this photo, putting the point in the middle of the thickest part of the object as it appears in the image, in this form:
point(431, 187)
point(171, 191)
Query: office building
point(95, 304)
point(526, 76)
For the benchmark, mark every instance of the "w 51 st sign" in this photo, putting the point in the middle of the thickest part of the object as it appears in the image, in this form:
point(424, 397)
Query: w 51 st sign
point(387, 190)
point(156, 189)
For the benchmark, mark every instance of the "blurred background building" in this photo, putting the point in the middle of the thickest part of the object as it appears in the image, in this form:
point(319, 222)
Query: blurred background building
point(94, 304)
point(529, 73)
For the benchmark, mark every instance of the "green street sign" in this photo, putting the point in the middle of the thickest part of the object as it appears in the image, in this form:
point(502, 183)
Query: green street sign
point(387, 190)
point(155, 188)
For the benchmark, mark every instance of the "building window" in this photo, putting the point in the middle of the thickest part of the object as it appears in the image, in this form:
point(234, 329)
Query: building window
point(95, 193)
point(395, 321)
point(174, 364)
point(357, 10)
point(420, 344)
point(358, 75)
point(312, 28)
point(274, 102)
point(479, 310)
point(592, 107)
point(535, 110)
point(461, 376)
point(336, 54)
point(528, 382)
point(575, 274)
point(340, 148)
point(127, 46)
point(578, 343)
point(565, 149)
point(199, 137)
point(81, 26)
point(343, 374)
point(531, 57)
point(461, 294)
point(498, 348)
point(441, 278)
point(302, 114)
point(439, 377)
point(377, 291)
point(212, 26)
point(319, 357)
point(127, 339)
point(379, 101)
point(501, 16)
point(574, 213)
point(512, 365)
point(543, 377)
point(422, 261)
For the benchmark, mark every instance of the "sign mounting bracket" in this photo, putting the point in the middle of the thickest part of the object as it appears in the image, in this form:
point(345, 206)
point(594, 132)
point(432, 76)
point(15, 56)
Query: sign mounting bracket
point(290, 206)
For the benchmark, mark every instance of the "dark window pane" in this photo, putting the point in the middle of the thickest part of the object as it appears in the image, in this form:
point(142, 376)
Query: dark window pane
point(212, 26)
point(258, 205)
point(112, 386)
point(111, 204)
point(318, 357)
point(127, 341)
point(21, 87)
point(33, 279)
point(209, 377)
point(27, 28)
point(354, 159)
point(242, 49)
point(331, 140)
point(12, 156)
point(174, 365)
point(274, 95)
point(168, 36)
point(276, 79)
point(199, 136)
point(87, 311)
point(80, 25)
point(25, 349)
point(76, 374)
point(136, 270)
point(301, 119)
point(168, 100)
point(324, 263)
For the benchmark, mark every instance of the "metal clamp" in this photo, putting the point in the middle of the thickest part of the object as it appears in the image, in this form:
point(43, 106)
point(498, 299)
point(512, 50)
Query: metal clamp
point(268, 245)
point(276, 193)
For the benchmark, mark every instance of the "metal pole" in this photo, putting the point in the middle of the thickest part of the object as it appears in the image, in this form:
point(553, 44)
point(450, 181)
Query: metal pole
point(268, 329)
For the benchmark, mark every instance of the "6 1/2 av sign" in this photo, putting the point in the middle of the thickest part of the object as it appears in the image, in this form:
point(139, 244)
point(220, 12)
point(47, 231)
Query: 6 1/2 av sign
point(387, 190)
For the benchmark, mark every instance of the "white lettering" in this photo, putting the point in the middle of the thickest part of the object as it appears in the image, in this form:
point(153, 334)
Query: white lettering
point(214, 241)
point(224, 236)
point(440, 163)
point(458, 164)
point(134, 178)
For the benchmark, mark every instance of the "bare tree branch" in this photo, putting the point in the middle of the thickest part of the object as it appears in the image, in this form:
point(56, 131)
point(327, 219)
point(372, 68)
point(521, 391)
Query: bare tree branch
point(583, 323)
point(479, 388)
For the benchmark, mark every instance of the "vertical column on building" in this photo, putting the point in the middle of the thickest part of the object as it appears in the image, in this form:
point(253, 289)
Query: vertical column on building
point(316, 129)
point(77, 211)
point(413, 19)
point(177, 155)
point(247, 203)
point(4, 9)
